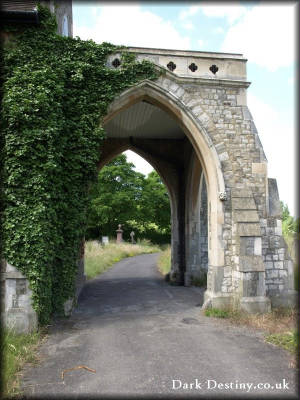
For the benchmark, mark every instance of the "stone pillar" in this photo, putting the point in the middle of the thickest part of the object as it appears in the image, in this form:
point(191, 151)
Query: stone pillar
point(17, 311)
point(249, 267)
point(119, 234)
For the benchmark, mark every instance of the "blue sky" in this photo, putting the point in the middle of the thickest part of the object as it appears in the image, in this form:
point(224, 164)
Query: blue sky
point(264, 32)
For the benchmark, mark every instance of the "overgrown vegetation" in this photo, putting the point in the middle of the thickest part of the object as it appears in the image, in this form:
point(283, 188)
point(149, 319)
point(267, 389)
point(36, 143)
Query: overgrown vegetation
point(16, 350)
point(279, 325)
point(164, 261)
point(56, 91)
point(124, 196)
point(99, 258)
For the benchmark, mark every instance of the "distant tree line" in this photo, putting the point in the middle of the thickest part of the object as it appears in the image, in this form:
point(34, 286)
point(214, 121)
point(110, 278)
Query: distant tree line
point(124, 196)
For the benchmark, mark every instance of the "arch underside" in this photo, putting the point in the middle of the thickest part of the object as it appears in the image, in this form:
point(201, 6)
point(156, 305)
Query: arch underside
point(169, 149)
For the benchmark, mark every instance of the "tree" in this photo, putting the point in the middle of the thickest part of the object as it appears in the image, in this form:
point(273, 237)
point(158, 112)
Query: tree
point(114, 198)
point(289, 224)
point(155, 203)
point(124, 196)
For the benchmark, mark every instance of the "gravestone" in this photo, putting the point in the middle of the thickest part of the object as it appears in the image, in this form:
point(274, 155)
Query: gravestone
point(119, 234)
point(105, 240)
point(132, 237)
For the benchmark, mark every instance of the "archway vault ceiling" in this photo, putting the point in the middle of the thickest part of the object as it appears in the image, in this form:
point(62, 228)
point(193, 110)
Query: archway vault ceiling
point(143, 120)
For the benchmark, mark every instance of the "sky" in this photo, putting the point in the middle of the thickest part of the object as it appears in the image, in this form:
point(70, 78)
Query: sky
point(264, 32)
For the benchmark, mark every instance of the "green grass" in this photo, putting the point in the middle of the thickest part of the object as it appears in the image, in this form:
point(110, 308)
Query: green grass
point(279, 325)
point(16, 349)
point(164, 261)
point(215, 312)
point(99, 258)
point(287, 340)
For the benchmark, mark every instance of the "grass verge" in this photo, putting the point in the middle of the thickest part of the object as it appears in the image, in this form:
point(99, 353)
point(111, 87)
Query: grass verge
point(279, 325)
point(16, 350)
point(215, 312)
point(99, 258)
point(164, 261)
point(288, 340)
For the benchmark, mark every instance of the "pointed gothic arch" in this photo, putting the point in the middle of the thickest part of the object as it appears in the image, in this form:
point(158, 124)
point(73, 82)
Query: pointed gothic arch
point(201, 142)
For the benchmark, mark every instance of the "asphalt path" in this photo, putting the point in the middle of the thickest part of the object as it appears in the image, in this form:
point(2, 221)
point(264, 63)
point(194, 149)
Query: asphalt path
point(145, 338)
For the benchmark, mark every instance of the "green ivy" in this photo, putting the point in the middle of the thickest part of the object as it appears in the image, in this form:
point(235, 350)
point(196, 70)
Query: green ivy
point(56, 92)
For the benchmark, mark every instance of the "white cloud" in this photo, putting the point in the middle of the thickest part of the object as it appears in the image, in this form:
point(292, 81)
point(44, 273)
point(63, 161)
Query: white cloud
point(265, 35)
point(278, 140)
point(188, 25)
point(293, 80)
point(218, 30)
point(131, 26)
point(141, 165)
point(94, 11)
point(230, 11)
point(200, 42)
point(189, 12)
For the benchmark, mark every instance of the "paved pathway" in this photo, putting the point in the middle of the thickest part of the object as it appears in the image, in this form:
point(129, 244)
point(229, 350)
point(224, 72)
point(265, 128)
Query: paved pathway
point(146, 337)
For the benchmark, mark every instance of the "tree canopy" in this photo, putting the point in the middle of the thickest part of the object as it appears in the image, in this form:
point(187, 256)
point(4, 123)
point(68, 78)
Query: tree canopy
point(124, 196)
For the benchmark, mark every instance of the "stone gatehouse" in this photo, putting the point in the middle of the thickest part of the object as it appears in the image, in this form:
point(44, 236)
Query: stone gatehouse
point(193, 125)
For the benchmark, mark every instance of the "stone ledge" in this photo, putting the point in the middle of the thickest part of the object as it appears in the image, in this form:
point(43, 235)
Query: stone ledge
point(11, 275)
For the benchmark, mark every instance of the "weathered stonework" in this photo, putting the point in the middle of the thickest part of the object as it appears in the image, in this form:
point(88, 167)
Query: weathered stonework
point(226, 218)
point(17, 312)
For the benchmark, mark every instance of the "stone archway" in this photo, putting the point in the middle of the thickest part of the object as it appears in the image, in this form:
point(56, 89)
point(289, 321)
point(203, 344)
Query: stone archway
point(203, 150)
point(248, 262)
point(201, 144)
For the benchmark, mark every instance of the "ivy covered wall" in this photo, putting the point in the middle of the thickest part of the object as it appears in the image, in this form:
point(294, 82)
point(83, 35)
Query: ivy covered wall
point(56, 91)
